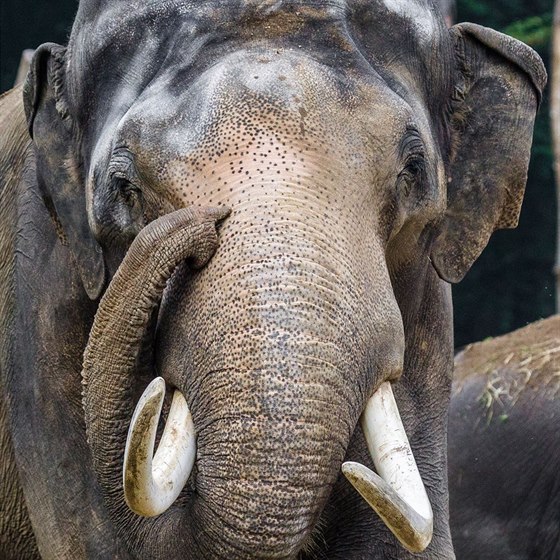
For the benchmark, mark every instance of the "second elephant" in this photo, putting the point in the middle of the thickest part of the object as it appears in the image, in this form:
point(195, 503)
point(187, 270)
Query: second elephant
point(504, 446)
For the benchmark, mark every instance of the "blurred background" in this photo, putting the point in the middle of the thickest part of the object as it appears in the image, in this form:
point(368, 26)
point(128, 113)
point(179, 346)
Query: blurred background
point(512, 284)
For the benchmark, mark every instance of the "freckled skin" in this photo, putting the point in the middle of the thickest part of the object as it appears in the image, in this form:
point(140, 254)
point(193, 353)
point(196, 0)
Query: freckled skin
point(339, 155)
point(503, 446)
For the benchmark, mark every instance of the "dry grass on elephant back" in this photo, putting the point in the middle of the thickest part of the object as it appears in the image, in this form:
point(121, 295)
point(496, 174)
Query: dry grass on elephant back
point(528, 358)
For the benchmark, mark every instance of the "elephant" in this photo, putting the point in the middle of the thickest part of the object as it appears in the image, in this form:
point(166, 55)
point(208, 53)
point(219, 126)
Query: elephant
point(504, 446)
point(244, 218)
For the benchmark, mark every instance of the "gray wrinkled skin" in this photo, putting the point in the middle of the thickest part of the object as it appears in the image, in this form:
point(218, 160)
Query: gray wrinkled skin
point(449, 10)
point(367, 154)
point(16, 534)
point(504, 446)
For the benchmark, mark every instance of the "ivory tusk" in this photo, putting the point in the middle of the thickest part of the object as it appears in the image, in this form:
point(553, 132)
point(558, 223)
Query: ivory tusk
point(397, 493)
point(153, 482)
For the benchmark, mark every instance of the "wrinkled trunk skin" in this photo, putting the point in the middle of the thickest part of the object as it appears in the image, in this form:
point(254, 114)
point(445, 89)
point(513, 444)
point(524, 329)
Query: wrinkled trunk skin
point(272, 351)
point(269, 344)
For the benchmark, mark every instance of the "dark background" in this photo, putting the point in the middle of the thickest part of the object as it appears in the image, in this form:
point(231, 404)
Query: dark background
point(512, 283)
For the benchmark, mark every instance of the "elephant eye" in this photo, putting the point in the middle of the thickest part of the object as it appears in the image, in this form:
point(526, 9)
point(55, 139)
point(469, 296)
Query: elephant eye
point(412, 173)
point(124, 179)
point(129, 192)
point(412, 155)
point(414, 166)
point(128, 201)
point(122, 174)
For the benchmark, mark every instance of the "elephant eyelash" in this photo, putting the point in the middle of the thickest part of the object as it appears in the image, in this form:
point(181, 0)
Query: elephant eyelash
point(124, 188)
point(413, 155)
point(128, 190)
point(411, 142)
point(412, 173)
point(415, 165)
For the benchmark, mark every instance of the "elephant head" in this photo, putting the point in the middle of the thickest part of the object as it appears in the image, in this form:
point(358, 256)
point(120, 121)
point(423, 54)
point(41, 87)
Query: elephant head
point(355, 158)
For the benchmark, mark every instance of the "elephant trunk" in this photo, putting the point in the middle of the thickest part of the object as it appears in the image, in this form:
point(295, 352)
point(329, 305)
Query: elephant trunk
point(269, 349)
point(116, 342)
point(272, 408)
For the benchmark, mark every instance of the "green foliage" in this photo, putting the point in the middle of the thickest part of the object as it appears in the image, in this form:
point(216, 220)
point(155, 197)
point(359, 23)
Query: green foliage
point(536, 31)
point(499, 14)
point(26, 25)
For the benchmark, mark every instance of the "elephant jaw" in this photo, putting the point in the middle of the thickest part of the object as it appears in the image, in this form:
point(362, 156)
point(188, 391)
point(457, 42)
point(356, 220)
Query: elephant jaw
point(397, 494)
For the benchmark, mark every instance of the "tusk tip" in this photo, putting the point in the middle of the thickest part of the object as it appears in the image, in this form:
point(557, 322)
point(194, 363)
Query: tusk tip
point(412, 529)
point(155, 388)
point(350, 468)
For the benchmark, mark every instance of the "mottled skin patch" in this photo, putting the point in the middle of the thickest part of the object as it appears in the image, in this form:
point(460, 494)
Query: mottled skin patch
point(449, 10)
point(503, 446)
point(16, 535)
point(330, 131)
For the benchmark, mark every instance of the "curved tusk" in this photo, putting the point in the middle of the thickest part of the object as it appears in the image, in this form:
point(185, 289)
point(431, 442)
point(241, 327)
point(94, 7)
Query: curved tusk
point(397, 494)
point(151, 485)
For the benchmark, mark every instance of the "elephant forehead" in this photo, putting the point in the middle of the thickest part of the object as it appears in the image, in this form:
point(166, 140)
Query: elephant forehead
point(257, 85)
point(109, 15)
point(128, 46)
point(249, 117)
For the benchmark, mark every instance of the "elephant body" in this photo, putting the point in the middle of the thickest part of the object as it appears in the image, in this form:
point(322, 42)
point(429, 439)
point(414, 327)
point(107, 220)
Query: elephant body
point(503, 446)
point(45, 419)
point(16, 534)
point(265, 204)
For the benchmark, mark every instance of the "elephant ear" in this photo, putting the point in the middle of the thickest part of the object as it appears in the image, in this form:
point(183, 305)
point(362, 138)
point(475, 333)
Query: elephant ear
point(59, 175)
point(500, 83)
